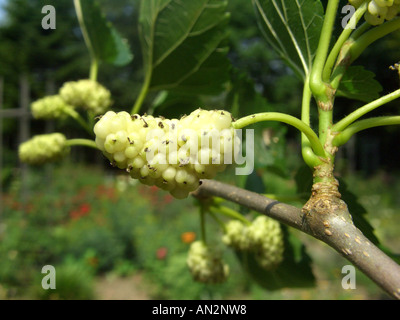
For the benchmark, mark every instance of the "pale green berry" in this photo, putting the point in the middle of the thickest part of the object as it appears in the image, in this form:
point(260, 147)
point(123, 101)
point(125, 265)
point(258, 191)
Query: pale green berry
point(169, 174)
point(180, 175)
point(392, 12)
point(50, 107)
point(167, 153)
point(131, 152)
point(86, 94)
point(43, 148)
point(376, 10)
point(373, 19)
point(206, 265)
point(384, 3)
point(179, 193)
point(138, 162)
point(119, 156)
point(236, 235)
point(266, 240)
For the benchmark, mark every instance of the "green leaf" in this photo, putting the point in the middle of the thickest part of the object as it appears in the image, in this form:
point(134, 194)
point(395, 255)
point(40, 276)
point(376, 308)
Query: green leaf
point(359, 84)
point(104, 42)
point(269, 137)
point(294, 272)
point(182, 45)
point(174, 104)
point(292, 28)
point(255, 183)
point(304, 181)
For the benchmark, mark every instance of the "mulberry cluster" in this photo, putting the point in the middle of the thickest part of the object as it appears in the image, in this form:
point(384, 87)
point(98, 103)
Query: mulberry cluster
point(267, 239)
point(206, 265)
point(50, 107)
point(169, 153)
point(86, 94)
point(264, 237)
point(379, 10)
point(236, 235)
point(43, 148)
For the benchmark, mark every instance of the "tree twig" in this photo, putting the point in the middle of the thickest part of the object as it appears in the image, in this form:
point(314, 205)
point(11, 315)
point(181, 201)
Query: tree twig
point(341, 235)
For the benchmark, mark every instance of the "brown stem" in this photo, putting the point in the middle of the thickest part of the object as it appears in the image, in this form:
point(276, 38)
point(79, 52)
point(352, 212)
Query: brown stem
point(338, 231)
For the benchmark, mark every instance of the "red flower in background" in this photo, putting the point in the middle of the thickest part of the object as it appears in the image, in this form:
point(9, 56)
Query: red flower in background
point(83, 210)
point(161, 253)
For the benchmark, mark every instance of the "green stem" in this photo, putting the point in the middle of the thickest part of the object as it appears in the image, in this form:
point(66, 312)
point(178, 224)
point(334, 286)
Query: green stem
point(306, 150)
point(360, 31)
point(143, 93)
point(203, 223)
point(358, 126)
point(293, 121)
point(81, 142)
point(358, 46)
point(218, 220)
point(343, 59)
point(81, 20)
point(325, 124)
point(228, 212)
point(318, 86)
point(345, 122)
point(94, 68)
point(77, 117)
point(330, 61)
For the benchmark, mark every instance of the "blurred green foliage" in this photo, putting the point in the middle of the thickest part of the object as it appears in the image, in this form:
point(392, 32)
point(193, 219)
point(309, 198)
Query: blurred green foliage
point(86, 223)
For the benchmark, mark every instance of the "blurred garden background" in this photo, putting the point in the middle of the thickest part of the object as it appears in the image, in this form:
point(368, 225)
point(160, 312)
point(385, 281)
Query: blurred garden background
point(110, 237)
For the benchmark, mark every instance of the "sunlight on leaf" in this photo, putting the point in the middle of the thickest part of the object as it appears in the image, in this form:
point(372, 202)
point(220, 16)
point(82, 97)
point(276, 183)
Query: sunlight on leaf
point(103, 40)
point(181, 42)
point(292, 28)
point(359, 84)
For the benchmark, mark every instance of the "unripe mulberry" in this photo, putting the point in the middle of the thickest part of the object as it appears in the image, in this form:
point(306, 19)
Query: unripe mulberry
point(43, 148)
point(236, 235)
point(86, 94)
point(50, 107)
point(169, 153)
point(380, 10)
point(266, 240)
point(206, 265)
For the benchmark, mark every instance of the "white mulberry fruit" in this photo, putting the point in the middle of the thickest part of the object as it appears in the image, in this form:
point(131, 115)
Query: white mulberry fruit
point(169, 153)
point(206, 265)
point(380, 10)
point(266, 240)
point(50, 107)
point(43, 148)
point(236, 235)
point(86, 94)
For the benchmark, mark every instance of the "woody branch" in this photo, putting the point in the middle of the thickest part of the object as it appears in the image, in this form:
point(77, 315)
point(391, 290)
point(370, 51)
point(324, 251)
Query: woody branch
point(340, 234)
